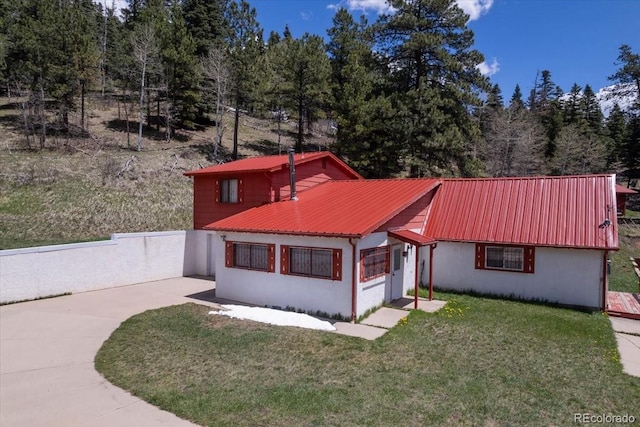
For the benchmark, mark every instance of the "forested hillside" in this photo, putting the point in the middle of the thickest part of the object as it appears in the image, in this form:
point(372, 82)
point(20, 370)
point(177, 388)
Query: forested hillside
point(403, 93)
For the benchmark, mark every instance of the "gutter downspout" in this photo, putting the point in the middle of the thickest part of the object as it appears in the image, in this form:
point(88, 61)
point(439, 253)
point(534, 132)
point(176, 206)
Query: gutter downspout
point(354, 287)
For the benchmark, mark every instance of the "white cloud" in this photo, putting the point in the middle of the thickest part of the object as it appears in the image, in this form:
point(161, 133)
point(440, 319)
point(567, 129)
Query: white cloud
point(488, 69)
point(380, 6)
point(305, 15)
point(475, 8)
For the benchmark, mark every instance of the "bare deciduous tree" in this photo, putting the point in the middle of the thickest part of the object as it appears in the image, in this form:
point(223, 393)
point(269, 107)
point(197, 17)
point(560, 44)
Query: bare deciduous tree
point(145, 51)
point(216, 69)
point(515, 144)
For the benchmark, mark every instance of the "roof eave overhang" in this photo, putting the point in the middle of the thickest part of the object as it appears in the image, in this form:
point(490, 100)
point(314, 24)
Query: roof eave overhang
point(408, 236)
point(538, 245)
point(286, 232)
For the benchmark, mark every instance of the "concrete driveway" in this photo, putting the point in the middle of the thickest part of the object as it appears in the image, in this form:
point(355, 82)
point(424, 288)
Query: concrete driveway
point(47, 350)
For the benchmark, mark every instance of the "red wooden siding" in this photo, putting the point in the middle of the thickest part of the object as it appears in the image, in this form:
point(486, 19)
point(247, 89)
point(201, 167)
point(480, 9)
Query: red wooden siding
point(413, 217)
point(253, 190)
point(308, 175)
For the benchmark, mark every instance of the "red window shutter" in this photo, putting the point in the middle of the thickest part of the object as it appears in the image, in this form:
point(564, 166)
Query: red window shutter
point(228, 254)
point(480, 254)
point(217, 190)
point(362, 265)
point(529, 259)
point(284, 259)
point(271, 266)
point(336, 269)
point(240, 190)
point(388, 260)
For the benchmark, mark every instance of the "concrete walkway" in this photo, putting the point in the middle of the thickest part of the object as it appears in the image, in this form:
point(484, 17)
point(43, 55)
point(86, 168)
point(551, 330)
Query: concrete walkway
point(628, 338)
point(47, 351)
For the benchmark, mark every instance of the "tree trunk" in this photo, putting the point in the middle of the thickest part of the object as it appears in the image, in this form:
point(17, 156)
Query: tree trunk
point(82, 88)
point(141, 107)
point(236, 122)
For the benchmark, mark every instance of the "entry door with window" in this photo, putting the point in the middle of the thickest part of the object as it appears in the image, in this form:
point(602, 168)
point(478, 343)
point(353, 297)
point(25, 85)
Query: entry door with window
point(397, 272)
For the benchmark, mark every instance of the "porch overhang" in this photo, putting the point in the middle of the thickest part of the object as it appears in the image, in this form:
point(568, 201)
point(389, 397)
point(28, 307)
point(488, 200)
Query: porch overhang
point(408, 236)
point(418, 240)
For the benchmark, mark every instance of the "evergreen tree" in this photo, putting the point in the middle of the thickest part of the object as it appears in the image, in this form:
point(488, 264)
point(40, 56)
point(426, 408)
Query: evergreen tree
point(182, 70)
point(205, 21)
point(572, 108)
point(516, 99)
point(591, 110)
point(544, 102)
point(617, 133)
point(628, 75)
point(243, 44)
point(428, 49)
point(305, 74)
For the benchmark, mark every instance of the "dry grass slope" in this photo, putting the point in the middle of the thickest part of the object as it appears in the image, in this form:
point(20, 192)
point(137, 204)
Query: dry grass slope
point(87, 187)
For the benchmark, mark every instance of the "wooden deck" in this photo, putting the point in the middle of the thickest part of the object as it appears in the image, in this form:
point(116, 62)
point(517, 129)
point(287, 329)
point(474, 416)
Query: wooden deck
point(623, 304)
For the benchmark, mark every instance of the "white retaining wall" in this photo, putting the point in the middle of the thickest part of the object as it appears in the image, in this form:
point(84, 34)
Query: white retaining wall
point(565, 276)
point(126, 259)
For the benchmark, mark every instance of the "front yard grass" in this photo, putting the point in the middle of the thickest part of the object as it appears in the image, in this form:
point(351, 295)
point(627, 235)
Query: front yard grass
point(477, 362)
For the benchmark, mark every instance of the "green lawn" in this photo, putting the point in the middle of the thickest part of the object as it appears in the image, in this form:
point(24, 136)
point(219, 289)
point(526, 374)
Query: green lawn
point(623, 278)
point(477, 362)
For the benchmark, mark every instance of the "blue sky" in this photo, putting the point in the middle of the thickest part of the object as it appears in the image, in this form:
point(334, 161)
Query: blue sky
point(577, 40)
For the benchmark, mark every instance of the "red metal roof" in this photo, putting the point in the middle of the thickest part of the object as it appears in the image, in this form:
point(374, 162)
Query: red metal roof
point(269, 164)
point(624, 190)
point(563, 211)
point(408, 236)
point(335, 208)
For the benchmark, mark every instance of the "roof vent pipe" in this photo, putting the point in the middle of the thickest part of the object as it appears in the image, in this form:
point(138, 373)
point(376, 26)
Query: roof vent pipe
point(292, 175)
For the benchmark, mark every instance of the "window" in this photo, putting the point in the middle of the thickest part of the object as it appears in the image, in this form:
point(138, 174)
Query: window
point(229, 191)
point(250, 256)
point(510, 258)
point(312, 262)
point(374, 263)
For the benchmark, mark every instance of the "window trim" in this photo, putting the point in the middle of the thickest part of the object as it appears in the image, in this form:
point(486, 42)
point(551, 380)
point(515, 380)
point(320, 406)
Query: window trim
point(240, 190)
point(378, 250)
point(528, 258)
point(336, 262)
point(229, 258)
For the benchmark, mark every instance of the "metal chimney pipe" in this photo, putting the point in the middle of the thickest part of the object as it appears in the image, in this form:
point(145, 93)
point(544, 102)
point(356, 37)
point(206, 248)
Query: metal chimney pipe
point(292, 175)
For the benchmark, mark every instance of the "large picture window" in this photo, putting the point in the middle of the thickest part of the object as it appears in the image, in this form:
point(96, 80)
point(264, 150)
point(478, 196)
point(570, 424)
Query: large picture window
point(229, 191)
point(508, 258)
point(250, 256)
point(312, 262)
point(374, 263)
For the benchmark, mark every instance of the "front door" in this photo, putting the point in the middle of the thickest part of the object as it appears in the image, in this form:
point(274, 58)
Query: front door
point(397, 272)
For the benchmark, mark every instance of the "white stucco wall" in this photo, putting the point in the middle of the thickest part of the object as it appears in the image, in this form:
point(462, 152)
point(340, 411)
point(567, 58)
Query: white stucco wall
point(565, 276)
point(124, 260)
point(374, 292)
point(275, 289)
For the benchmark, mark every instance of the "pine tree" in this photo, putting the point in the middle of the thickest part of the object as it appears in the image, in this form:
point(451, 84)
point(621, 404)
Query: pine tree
point(516, 99)
point(544, 102)
point(617, 132)
point(243, 44)
point(306, 73)
point(628, 75)
point(428, 49)
point(182, 70)
point(206, 24)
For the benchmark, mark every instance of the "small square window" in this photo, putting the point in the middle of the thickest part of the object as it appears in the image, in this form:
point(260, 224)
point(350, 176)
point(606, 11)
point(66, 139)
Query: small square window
point(229, 191)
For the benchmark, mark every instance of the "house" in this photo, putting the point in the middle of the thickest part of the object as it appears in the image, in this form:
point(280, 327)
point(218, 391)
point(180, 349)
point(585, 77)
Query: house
point(538, 238)
point(621, 198)
point(223, 190)
point(345, 246)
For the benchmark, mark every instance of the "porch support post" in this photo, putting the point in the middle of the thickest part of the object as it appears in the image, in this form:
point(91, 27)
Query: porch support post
point(431, 248)
point(417, 283)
